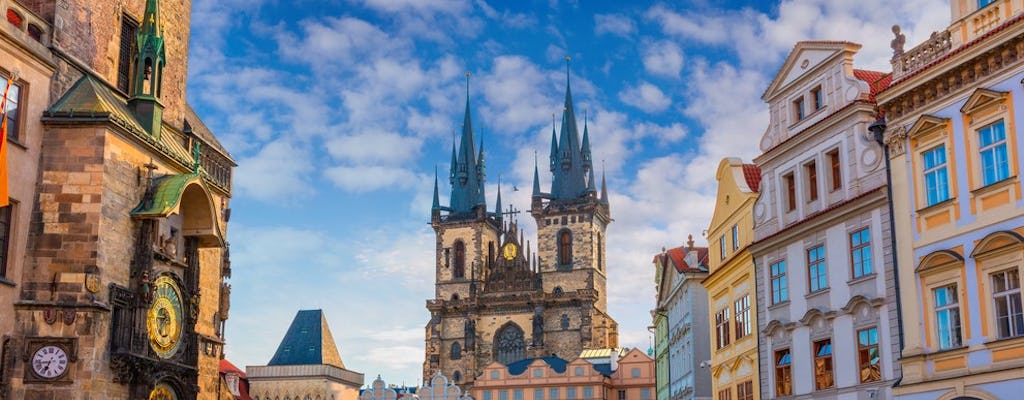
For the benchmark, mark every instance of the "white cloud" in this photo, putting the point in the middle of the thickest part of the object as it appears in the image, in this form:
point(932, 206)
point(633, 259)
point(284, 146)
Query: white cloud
point(663, 58)
point(279, 171)
point(613, 24)
point(646, 97)
point(368, 178)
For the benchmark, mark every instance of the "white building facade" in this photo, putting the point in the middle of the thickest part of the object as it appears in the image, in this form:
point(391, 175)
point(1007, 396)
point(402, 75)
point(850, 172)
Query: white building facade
point(822, 250)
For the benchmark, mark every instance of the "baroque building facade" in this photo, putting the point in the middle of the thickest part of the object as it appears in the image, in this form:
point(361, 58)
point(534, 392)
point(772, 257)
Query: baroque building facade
point(115, 258)
point(731, 287)
point(955, 154)
point(613, 376)
point(306, 365)
point(681, 303)
point(497, 300)
point(825, 283)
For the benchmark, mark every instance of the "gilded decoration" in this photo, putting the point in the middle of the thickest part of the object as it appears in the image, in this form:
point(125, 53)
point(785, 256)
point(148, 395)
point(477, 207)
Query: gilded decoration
point(164, 318)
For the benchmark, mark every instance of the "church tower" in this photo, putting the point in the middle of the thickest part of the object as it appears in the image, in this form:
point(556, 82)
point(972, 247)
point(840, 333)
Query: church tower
point(495, 299)
point(571, 222)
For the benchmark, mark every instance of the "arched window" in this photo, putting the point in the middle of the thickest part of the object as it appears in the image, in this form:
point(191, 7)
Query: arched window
point(456, 376)
point(565, 247)
point(557, 291)
point(456, 351)
point(460, 260)
point(509, 344)
point(600, 254)
point(565, 321)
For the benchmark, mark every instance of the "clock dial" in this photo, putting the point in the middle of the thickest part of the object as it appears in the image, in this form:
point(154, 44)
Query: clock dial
point(163, 392)
point(510, 251)
point(164, 319)
point(50, 362)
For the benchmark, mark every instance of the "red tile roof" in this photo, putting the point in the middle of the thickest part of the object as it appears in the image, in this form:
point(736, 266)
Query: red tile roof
point(243, 382)
point(677, 256)
point(752, 174)
point(877, 81)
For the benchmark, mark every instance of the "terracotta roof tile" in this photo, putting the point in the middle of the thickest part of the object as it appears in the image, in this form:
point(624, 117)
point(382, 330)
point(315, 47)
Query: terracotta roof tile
point(877, 81)
point(677, 256)
point(752, 174)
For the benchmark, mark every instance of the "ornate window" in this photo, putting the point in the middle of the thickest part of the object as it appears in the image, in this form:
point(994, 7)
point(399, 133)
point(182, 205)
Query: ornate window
point(1006, 293)
point(743, 317)
point(565, 321)
point(947, 316)
point(936, 179)
point(565, 248)
point(817, 272)
point(867, 355)
point(823, 364)
point(456, 351)
point(995, 164)
point(460, 260)
point(783, 373)
point(127, 50)
point(779, 291)
point(456, 376)
point(860, 252)
point(722, 328)
point(509, 344)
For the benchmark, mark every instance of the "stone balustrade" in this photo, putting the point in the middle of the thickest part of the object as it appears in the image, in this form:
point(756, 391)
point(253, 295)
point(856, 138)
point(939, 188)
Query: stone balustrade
point(936, 46)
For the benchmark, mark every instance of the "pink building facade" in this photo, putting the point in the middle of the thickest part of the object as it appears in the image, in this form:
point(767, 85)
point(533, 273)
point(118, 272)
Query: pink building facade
point(626, 377)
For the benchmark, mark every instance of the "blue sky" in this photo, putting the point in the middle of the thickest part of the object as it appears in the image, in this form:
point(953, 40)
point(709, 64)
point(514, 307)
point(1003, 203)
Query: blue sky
point(338, 112)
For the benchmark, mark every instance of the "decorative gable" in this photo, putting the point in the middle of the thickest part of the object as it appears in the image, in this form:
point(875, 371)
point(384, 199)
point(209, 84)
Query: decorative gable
point(982, 98)
point(925, 124)
point(805, 57)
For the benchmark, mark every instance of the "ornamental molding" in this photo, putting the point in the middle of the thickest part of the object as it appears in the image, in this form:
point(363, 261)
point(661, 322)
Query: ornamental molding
point(964, 75)
point(896, 139)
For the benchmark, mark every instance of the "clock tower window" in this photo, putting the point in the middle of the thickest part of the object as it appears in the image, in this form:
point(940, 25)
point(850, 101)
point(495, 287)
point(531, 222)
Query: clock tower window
point(460, 260)
point(565, 248)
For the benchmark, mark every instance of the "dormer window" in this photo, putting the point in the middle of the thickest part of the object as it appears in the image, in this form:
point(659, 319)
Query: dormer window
point(798, 108)
point(819, 99)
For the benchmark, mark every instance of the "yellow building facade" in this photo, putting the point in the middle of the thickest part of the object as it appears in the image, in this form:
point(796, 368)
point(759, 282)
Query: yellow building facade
point(955, 153)
point(732, 297)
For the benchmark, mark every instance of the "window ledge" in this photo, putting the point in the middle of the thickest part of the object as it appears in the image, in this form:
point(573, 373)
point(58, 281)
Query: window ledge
point(937, 206)
point(806, 117)
point(995, 185)
point(862, 278)
point(4, 281)
point(817, 293)
point(778, 305)
point(17, 143)
point(1012, 341)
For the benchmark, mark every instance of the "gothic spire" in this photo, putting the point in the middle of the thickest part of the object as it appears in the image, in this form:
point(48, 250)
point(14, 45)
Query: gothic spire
point(467, 186)
point(569, 180)
point(437, 198)
point(536, 177)
point(149, 66)
point(497, 203)
point(585, 152)
point(604, 189)
point(554, 144)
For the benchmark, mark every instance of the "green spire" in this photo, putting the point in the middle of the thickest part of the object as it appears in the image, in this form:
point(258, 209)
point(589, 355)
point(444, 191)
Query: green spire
point(554, 144)
point(148, 71)
point(451, 176)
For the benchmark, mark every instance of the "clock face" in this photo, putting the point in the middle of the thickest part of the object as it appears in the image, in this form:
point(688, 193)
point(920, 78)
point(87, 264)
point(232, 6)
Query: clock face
point(50, 362)
point(509, 251)
point(163, 321)
point(163, 392)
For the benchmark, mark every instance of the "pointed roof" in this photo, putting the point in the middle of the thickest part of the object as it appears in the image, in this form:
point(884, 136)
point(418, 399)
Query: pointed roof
point(604, 189)
point(536, 177)
point(308, 341)
point(814, 52)
point(468, 173)
point(437, 198)
point(569, 167)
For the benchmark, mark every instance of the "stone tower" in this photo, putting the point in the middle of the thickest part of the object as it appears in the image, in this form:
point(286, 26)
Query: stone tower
point(495, 300)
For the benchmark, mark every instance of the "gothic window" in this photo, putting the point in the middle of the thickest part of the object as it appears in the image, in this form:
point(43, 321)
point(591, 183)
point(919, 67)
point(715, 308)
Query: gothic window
point(565, 321)
point(565, 247)
point(127, 49)
point(5, 237)
point(456, 376)
point(509, 344)
point(600, 254)
point(456, 351)
point(460, 260)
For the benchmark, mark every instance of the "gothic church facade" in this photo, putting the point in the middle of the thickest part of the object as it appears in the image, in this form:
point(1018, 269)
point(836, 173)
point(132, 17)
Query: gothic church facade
point(495, 298)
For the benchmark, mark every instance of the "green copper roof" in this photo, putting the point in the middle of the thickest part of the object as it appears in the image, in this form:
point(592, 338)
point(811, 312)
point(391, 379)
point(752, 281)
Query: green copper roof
point(90, 98)
point(166, 195)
